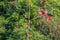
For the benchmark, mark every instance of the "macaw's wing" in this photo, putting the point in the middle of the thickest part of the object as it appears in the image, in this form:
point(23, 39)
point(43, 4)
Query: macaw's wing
point(39, 12)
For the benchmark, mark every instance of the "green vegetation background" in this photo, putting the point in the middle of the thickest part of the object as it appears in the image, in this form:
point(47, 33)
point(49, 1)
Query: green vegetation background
point(14, 19)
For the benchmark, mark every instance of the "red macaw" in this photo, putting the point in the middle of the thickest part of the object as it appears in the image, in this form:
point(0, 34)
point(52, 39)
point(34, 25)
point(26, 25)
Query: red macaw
point(44, 12)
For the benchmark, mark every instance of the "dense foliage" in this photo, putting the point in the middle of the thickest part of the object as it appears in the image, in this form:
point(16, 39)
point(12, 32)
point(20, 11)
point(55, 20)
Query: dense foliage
point(14, 16)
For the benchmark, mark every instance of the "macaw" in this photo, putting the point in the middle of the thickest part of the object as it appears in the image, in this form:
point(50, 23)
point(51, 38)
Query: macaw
point(44, 12)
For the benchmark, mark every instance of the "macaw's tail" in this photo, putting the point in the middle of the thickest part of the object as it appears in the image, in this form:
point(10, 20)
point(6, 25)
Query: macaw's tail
point(48, 18)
